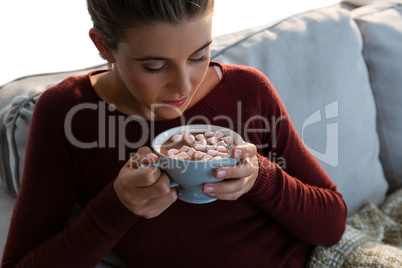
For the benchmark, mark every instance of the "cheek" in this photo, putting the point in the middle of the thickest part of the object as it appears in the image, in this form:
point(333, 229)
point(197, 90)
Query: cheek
point(139, 84)
point(199, 72)
point(143, 88)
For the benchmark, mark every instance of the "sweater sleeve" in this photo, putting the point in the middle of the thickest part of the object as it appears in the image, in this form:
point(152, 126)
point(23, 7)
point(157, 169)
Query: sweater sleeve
point(292, 187)
point(41, 234)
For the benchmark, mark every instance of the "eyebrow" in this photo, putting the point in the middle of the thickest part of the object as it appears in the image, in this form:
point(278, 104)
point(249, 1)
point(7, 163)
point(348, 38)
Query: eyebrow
point(150, 58)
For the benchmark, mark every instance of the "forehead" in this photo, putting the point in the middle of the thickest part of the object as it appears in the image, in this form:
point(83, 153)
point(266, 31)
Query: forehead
point(164, 38)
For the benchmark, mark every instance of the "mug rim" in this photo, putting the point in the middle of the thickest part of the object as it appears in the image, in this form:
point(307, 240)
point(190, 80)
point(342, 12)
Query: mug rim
point(202, 127)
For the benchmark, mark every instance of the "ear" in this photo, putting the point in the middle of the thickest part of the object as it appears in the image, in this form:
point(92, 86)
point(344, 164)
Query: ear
point(97, 38)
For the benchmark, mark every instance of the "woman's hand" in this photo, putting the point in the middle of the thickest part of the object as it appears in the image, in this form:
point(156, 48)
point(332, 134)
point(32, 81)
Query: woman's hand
point(144, 191)
point(238, 179)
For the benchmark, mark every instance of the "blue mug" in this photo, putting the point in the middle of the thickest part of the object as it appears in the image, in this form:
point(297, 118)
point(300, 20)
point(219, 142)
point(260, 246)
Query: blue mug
point(187, 175)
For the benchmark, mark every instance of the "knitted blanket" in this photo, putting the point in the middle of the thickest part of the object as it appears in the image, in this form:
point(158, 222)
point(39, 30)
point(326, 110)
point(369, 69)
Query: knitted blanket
point(373, 238)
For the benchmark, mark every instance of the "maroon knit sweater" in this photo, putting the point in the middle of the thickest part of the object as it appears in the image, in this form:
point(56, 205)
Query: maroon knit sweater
point(292, 205)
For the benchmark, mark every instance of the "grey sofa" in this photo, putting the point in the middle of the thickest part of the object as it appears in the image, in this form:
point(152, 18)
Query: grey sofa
point(339, 72)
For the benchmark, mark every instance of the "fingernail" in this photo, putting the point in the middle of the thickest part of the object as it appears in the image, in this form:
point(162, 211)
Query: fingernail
point(237, 153)
point(221, 174)
point(208, 189)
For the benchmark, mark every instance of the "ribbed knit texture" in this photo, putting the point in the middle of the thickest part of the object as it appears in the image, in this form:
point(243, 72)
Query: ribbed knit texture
point(292, 205)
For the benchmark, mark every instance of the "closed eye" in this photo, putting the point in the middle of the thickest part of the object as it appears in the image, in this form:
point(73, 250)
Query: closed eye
point(200, 60)
point(155, 70)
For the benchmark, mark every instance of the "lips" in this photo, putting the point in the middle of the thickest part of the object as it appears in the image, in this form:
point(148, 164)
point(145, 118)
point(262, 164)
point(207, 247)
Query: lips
point(176, 103)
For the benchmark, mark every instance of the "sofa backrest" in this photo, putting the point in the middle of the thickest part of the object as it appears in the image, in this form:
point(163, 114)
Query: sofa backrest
point(314, 61)
point(381, 29)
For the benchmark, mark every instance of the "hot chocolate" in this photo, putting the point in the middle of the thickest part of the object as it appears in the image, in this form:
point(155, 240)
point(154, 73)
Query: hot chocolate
point(199, 146)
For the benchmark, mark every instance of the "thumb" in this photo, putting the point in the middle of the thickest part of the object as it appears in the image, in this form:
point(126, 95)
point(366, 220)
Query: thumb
point(144, 155)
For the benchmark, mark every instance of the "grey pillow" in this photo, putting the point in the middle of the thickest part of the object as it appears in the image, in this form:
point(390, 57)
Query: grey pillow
point(314, 61)
point(17, 100)
point(7, 94)
point(381, 28)
point(17, 122)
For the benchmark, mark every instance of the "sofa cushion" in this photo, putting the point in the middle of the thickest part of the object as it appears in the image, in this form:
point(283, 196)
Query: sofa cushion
point(381, 28)
point(17, 122)
point(314, 61)
point(367, 2)
point(17, 100)
point(6, 208)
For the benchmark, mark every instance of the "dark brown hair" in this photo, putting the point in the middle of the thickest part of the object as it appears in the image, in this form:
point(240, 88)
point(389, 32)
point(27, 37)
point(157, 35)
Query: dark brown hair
point(114, 17)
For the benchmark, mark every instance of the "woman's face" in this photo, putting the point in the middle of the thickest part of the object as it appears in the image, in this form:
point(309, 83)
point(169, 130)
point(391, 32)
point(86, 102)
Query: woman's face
point(162, 65)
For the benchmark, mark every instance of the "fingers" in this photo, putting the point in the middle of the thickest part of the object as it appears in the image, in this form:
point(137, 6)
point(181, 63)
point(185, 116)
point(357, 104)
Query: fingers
point(154, 207)
point(144, 155)
point(226, 190)
point(144, 191)
point(247, 165)
point(145, 176)
point(243, 151)
point(146, 201)
point(149, 202)
point(131, 178)
point(238, 179)
point(160, 187)
point(242, 169)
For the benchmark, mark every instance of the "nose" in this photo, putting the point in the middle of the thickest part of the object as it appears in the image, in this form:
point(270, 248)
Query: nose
point(181, 81)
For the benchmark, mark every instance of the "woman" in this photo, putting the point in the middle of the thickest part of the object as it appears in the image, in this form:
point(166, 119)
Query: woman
point(89, 134)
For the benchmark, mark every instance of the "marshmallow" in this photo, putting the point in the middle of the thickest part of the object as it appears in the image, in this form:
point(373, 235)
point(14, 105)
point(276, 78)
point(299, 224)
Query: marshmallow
point(184, 149)
point(223, 155)
point(221, 143)
point(189, 138)
point(218, 135)
point(203, 142)
point(200, 147)
point(200, 137)
point(213, 140)
point(172, 152)
point(191, 152)
point(227, 139)
point(207, 157)
point(183, 156)
point(199, 155)
point(217, 158)
point(211, 147)
point(177, 137)
point(209, 134)
point(212, 152)
point(222, 149)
